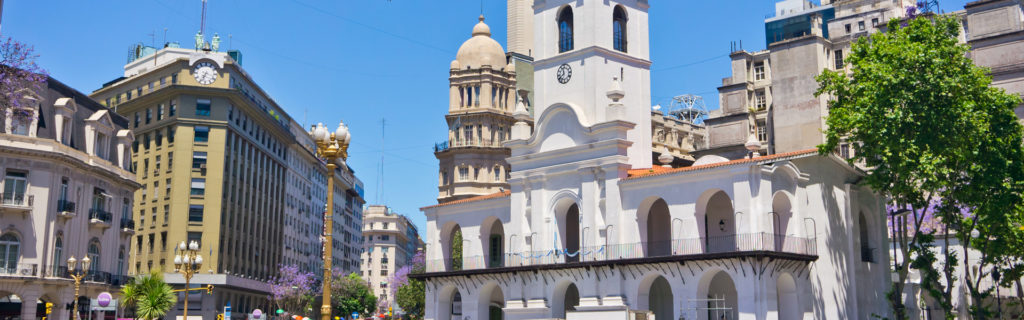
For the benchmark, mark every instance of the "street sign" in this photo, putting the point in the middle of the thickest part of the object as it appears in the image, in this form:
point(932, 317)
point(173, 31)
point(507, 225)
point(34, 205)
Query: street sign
point(227, 310)
point(256, 314)
point(355, 315)
point(104, 299)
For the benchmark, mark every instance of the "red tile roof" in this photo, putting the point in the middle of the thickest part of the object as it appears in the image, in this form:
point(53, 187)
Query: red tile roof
point(657, 171)
point(501, 194)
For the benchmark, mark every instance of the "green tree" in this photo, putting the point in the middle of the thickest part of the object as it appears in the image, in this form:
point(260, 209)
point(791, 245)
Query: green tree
point(457, 250)
point(149, 295)
point(939, 140)
point(411, 293)
point(351, 294)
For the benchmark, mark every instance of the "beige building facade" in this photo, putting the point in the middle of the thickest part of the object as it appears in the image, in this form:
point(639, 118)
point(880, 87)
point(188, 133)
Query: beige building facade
point(222, 164)
point(67, 192)
point(391, 241)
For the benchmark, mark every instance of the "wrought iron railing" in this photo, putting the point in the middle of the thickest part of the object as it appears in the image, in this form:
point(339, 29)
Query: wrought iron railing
point(482, 143)
point(127, 223)
point(65, 206)
point(19, 270)
point(99, 214)
point(739, 243)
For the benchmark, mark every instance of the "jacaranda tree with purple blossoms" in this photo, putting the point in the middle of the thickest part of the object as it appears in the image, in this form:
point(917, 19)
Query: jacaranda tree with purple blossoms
point(293, 290)
point(19, 76)
point(945, 146)
point(410, 294)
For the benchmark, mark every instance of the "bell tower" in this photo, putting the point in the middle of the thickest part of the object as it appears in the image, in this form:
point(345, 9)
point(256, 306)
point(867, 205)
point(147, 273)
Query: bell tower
point(580, 48)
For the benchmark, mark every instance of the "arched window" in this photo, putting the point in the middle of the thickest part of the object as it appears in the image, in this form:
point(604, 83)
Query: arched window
point(565, 30)
point(94, 254)
point(9, 252)
point(120, 261)
point(619, 28)
point(867, 253)
point(58, 254)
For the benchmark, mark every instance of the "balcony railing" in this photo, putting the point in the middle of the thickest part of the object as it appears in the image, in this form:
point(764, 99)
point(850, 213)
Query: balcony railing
point(718, 246)
point(481, 143)
point(17, 201)
point(65, 208)
point(99, 216)
point(128, 225)
point(20, 270)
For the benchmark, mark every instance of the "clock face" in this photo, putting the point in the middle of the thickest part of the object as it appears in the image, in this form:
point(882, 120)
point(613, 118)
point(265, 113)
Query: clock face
point(564, 73)
point(205, 72)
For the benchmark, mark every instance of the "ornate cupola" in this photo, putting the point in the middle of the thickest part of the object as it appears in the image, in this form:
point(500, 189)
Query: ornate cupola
point(480, 119)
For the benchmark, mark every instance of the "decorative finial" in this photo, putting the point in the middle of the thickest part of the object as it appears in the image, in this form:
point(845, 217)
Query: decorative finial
point(481, 17)
point(753, 145)
point(665, 158)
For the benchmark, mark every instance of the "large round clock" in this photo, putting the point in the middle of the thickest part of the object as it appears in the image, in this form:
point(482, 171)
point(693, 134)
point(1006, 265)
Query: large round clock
point(564, 73)
point(205, 72)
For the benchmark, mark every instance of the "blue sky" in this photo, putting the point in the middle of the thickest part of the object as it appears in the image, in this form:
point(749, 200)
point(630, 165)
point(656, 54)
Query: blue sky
point(364, 61)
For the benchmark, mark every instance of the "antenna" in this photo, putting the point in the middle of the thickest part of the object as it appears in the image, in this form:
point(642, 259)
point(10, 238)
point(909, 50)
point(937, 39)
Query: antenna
point(688, 107)
point(380, 168)
point(202, 21)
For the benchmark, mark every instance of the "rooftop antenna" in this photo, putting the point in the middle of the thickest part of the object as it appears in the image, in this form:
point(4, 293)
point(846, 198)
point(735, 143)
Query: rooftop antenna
point(688, 107)
point(202, 21)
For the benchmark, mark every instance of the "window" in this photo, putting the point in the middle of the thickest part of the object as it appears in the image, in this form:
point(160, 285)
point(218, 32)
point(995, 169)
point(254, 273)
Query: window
point(762, 131)
point(385, 238)
point(172, 108)
point(198, 159)
point(170, 161)
point(195, 213)
point(9, 253)
point(15, 184)
point(619, 29)
point(197, 237)
point(159, 139)
point(844, 150)
point(760, 101)
point(759, 71)
point(58, 253)
point(839, 59)
point(128, 95)
point(163, 81)
point(174, 78)
point(468, 132)
point(63, 189)
point(198, 186)
point(137, 118)
point(383, 272)
point(151, 85)
point(860, 26)
point(170, 134)
point(464, 174)
point(149, 115)
point(157, 163)
point(94, 254)
point(99, 199)
point(160, 112)
point(565, 30)
point(156, 190)
point(202, 107)
point(497, 173)
point(120, 259)
point(167, 186)
point(202, 134)
point(874, 22)
point(867, 253)
point(848, 28)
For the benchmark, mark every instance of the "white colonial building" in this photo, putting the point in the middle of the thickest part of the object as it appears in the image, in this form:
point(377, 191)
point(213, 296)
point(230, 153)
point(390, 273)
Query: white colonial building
point(67, 192)
point(590, 229)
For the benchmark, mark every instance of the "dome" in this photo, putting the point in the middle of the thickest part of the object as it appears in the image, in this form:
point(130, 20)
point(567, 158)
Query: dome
point(455, 64)
point(709, 159)
point(481, 50)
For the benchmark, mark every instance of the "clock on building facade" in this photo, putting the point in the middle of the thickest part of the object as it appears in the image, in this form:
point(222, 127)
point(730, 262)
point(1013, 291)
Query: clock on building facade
point(564, 73)
point(205, 72)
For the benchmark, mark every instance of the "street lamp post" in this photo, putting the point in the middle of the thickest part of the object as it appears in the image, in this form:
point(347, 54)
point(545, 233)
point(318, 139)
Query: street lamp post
point(77, 276)
point(187, 262)
point(332, 147)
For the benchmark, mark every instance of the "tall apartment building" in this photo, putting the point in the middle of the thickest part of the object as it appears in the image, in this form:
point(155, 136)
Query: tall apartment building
point(481, 101)
point(391, 241)
point(215, 156)
point(67, 192)
point(768, 100)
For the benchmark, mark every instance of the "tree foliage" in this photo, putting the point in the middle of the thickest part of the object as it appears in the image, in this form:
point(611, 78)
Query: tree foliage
point(351, 294)
point(19, 74)
point(149, 295)
point(293, 290)
point(938, 139)
point(457, 250)
point(409, 293)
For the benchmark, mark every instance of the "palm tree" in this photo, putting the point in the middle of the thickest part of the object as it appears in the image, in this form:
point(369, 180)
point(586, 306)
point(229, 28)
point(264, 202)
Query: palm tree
point(150, 296)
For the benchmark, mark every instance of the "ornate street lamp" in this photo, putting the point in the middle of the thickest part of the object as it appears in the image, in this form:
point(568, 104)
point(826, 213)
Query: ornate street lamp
point(187, 262)
point(77, 276)
point(332, 147)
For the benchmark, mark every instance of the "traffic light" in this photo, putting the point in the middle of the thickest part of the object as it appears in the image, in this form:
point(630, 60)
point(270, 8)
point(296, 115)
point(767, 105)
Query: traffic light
point(49, 307)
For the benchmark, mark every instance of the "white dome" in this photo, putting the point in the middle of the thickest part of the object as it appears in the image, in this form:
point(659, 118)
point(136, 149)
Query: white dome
point(481, 50)
point(709, 159)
